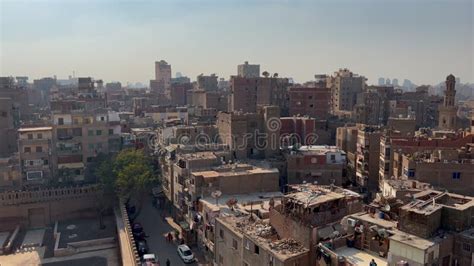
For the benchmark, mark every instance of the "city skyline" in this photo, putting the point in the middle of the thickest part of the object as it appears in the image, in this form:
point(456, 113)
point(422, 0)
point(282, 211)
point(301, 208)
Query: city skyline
point(405, 40)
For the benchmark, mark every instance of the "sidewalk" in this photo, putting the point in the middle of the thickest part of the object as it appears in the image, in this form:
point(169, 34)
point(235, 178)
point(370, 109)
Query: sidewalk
point(199, 255)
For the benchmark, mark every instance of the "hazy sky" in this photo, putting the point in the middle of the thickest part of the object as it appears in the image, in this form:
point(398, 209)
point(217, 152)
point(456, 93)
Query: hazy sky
point(422, 40)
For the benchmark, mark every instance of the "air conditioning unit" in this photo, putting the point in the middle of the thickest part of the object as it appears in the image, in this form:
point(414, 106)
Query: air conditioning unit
point(351, 222)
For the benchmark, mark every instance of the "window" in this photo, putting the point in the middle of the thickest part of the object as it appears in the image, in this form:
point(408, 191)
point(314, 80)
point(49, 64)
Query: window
point(456, 175)
point(91, 146)
point(333, 157)
point(102, 118)
point(31, 162)
point(466, 247)
point(234, 244)
point(311, 105)
point(34, 175)
point(98, 132)
point(39, 149)
point(256, 249)
point(39, 136)
point(77, 171)
point(30, 136)
point(111, 131)
point(221, 233)
point(90, 132)
point(77, 132)
point(60, 121)
point(27, 149)
point(45, 162)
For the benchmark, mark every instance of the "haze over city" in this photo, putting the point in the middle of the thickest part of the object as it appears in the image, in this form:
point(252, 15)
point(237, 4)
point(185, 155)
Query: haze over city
point(236, 133)
point(416, 40)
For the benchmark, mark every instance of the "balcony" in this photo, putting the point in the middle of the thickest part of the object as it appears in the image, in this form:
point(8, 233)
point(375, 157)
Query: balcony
point(22, 142)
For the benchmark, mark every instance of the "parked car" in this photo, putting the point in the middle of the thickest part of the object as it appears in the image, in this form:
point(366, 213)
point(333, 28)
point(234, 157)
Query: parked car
point(139, 236)
point(142, 247)
point(150, 260)
point(137, 228)
point(186, 254)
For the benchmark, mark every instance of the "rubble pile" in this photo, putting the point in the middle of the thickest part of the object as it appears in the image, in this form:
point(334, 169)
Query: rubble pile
point(286, 246)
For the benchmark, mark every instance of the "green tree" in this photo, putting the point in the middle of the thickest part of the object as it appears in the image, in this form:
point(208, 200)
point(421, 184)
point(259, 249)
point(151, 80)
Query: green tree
point(129, 175)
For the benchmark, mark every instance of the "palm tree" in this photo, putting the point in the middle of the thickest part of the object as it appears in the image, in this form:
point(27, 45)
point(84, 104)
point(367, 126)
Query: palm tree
point(275, 75)
point(266, 74)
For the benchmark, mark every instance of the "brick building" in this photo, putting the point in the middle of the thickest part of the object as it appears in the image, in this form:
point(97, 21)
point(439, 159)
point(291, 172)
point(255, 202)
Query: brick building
point(309, 212)
point(248, 93)
point(310, 101)
point(322, 164)
point(37, 155)
point(251, 135)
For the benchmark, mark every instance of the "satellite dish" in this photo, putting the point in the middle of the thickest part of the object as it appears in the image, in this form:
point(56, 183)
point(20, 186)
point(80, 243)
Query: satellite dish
point(386, 208)
point(216, 194)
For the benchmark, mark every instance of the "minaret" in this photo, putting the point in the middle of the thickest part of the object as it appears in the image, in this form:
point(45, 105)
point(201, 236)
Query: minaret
point(448, 111)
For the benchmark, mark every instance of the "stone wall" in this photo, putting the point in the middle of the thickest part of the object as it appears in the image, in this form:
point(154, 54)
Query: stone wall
point(42, 207)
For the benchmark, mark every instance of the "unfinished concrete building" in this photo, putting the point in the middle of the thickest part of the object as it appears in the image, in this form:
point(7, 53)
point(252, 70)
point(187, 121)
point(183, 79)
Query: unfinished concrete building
point(309, 212)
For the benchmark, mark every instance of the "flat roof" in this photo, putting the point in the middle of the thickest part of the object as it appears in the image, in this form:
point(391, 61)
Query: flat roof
point(320, 149)
point(412, 240)
point(262, 233)
point(359, 257)
point(234, 170)
point(310, 194)
point(30, 129)
point(364, 216)
point(243, 201)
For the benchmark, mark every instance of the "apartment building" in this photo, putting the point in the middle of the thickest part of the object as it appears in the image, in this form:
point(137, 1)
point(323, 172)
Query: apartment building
point(243, 240)
point(298, 129)
point(251, 135)
point(207, 83)
point(367, 158)
point(37, 155)
point(323, 165)
point(314, 102)
point(452, 170)
point(83, 128)
point(345, 86)
point(246, 94)
point(309, 213)
point(247, 70)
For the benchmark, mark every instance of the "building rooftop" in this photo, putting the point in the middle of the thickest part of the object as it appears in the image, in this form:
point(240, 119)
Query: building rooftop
point(468, 233)
point(198, 155)
point(374, 219)
point(359, 257)
point(234, 169)
point(412, 240)
point(429, 201)
point(32, 129)
point(311, 195)
point(245, 202)
point(319, 149)
point(261, 232)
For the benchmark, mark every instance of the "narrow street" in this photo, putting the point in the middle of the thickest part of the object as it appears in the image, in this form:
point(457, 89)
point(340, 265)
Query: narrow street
point(156, 228)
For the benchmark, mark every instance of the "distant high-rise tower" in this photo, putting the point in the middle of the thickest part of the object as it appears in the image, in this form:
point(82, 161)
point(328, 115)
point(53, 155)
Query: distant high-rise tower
point(163, 73)
point(448, 111)
point(381, 81)
point(388, 82)
point(247, 70)
point(395, 82)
